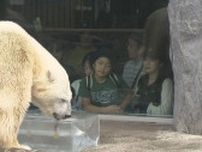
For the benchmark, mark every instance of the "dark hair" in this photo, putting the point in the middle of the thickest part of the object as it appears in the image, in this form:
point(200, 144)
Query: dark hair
point(100, 53)
point(88, 57)
point(154, 56)
point(165, 70)
point(136, 38)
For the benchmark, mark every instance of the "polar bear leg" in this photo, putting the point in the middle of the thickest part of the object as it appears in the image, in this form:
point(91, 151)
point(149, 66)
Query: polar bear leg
point(10, 122)
point(19, 115)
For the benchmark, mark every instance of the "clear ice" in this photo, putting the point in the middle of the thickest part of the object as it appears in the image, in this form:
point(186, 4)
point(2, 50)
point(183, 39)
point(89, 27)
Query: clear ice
point(72, 135)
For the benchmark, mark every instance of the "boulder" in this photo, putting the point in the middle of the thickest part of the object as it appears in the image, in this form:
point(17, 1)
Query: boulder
point(186, 57)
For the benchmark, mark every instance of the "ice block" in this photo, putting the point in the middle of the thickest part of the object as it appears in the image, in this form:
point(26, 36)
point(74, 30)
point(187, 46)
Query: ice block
point(75, 134)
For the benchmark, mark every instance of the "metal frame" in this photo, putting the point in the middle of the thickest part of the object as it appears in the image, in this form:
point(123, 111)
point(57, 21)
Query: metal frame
point(161, 120)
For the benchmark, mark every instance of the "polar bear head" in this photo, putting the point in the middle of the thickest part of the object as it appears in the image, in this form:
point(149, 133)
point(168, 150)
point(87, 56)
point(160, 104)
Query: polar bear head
point(52, 94)
point(51, 90)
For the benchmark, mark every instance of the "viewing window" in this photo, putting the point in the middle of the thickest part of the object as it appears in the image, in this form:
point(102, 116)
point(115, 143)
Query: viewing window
point(135, 35)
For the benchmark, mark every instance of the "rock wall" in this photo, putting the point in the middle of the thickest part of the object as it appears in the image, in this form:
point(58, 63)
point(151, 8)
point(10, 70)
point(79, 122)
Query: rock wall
point(185, 18)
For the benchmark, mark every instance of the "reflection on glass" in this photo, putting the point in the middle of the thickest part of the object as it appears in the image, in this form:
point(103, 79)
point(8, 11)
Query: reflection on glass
point(70, 29)
point(154, 94)
point(62, 14)
point(100, 91)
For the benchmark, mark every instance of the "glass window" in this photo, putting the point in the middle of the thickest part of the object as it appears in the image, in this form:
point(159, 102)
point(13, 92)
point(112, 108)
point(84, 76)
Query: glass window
point(62, 14)
point(135, 35)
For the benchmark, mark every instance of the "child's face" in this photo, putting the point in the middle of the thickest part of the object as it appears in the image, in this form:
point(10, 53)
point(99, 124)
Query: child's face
point(87, 68)
point(132, 49)
point(151, 65)
point(102, 67)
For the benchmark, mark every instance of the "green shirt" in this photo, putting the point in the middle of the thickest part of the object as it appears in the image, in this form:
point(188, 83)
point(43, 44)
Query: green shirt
point(102, 94)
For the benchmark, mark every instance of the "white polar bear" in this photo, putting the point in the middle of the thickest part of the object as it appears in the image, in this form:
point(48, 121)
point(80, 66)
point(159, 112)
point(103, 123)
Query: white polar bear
point(28, 72)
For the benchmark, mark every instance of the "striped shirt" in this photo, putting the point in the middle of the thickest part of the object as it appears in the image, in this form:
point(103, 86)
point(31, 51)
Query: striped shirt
point(130, 71)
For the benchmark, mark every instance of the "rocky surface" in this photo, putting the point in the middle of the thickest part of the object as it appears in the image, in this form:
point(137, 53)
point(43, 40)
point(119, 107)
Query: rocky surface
point(186, 55)
point(123, 136)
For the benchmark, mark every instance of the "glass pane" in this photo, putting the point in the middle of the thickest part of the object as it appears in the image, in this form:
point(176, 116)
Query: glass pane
point(63, 14)
point(132, 35)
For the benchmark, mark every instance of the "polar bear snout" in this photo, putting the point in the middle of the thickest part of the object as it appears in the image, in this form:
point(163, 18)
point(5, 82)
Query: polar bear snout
point(62, 109)
point(59, 117)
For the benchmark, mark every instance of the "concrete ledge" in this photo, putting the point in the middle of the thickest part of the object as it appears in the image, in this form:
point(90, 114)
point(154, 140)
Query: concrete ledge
point(162, 120)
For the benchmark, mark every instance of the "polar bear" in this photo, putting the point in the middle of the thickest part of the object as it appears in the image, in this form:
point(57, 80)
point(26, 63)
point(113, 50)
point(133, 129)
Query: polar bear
point(28, 72)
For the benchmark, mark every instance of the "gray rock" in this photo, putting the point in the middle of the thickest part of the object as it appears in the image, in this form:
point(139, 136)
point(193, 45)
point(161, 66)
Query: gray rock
point(186, 55)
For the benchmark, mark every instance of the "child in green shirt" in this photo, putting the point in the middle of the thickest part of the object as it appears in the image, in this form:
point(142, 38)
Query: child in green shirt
point(102, 92)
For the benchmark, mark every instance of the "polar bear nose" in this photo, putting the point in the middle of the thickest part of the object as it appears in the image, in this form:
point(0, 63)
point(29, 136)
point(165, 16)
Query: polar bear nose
point(59, 116)
point(67, 116)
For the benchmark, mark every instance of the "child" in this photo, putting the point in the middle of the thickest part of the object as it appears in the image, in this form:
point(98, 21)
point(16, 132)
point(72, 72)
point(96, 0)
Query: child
point(102, 95)
point(87, 70)
point(155, 90)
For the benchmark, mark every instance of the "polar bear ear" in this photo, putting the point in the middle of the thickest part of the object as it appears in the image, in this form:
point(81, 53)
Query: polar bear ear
point(50, 77)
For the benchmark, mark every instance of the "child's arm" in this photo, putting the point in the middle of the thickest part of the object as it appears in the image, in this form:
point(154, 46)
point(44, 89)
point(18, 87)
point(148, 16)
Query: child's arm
point(127, 99)
point(87, 106)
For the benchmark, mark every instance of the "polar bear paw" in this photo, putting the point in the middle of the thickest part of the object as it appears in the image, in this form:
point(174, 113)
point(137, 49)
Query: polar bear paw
point(26, 147)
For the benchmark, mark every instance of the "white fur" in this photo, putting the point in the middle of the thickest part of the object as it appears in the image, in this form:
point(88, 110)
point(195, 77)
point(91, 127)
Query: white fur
point(28, 73)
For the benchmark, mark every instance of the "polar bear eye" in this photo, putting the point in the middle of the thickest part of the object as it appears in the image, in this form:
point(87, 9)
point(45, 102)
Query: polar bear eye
point(63, 100)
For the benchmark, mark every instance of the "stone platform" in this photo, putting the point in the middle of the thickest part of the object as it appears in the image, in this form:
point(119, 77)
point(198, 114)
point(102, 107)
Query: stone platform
point(72, 135)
